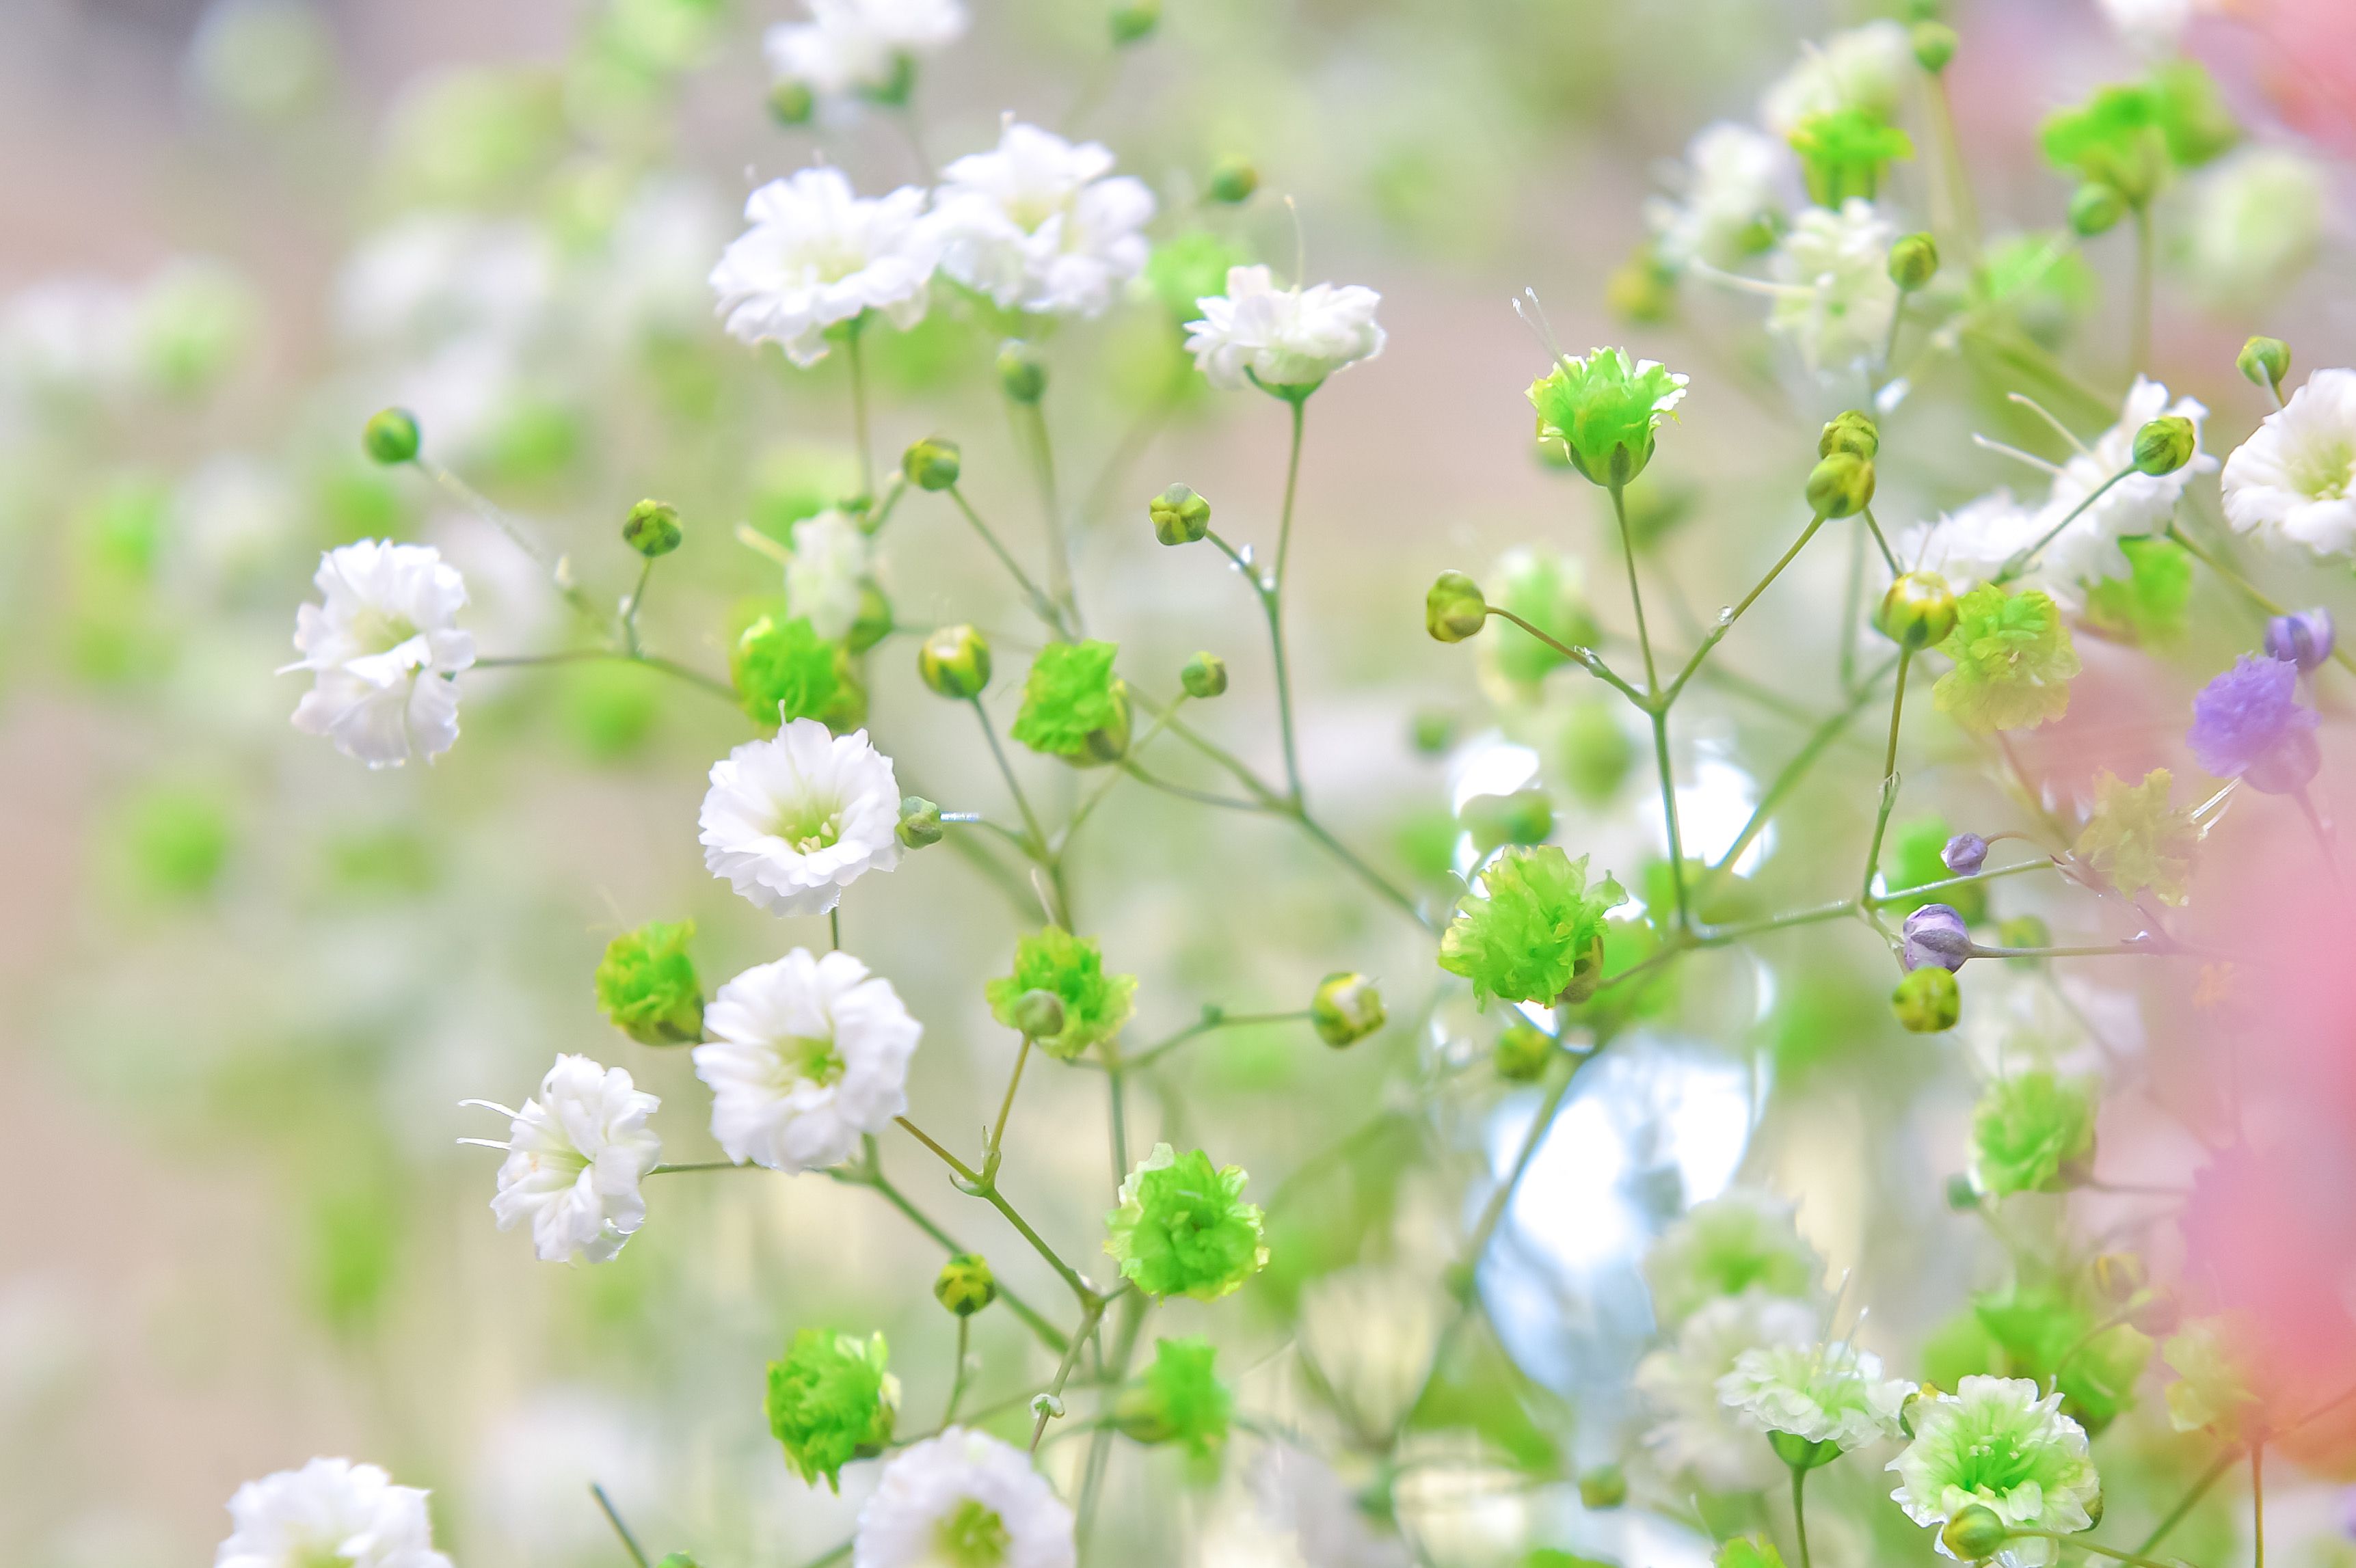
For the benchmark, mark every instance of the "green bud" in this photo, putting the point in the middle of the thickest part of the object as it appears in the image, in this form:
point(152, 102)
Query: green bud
point(1523, 1051)
point(1204, 675)
point(2263, 362)
point(1914, 261)
point(1853, 431)
point(390, 436)
point(1963, 1194)
point(1454, 609)
point(1841, 484)
point(1346, 1009)
point(1524, 816)
point(1180, 516)
point(646, 985)
point(1022, 372)
point(931, 463)
point(1133, 21)
point(1919, 611)
point(2165, 445)
point(2096, 209)
point(1934, 45)
point(1432, 731)
point(2118, 1275)
point(1233, 180)
point(652, 528)
point(1039, 1014)
point(792, 103)
point(1975, 1533)
point(873, 622)
point(965, 1284)
point(2024, 930)
point(1928, 1001)
point(1604, 1486)
point(920, 822)
point(954, 661)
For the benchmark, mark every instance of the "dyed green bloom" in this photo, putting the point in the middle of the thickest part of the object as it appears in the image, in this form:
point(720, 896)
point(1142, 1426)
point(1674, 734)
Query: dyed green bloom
point(2210, 1388)
point(1843, 152)
point(2137, 842)
point(180, 838)
point(1178, 1399)
point(2192, 113)
point(1928, 1001)
point(1073, 707)
point(1995, 1441)
point(1734, 1242)
point(1604, 410)
point(783, 669)
point(2013, 661)
point(2040, 1333)
point(2113, 139)
point(1182, 1228)
point(1052, 959)
point(831, 1402)
point(1538, 935)
point(2033, 1133)
point(2151, 604)
point(1185, 269)
point(646, 985)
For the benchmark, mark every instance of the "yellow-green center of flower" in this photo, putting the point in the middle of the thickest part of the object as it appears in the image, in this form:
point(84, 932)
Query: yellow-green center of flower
point(2325, 471)
point(378, 631)
point(804, 1059)
point(971, 1535)
point(810, 827)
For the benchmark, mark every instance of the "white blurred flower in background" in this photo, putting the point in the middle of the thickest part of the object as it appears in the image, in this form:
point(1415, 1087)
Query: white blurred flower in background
point(1368, 1333)
point(2139, 503)
point(1282, 337)
point(807, 1053)
point(576, 1157)
point(1042, 224)
point(1865, 67)
point(1692, 1431)
point(2153, 27)
point(530, 1483)
point(1837, 301)
point(1300, 1493)
point(2257, 221)
point(1730, 199)
point(793, 820)
point(853, 46)
point(817, 254)
point(382, 646)
point(329, 1511)
point(827, 573)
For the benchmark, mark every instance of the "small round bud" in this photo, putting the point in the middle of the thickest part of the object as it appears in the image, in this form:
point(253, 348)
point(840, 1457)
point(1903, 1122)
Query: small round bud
point(1454, 609)
point(1524, 816)
point(390, 436)
point(932, 463)
point(1928, 1001)
point(1022, 372)
point(1346, 1009)
point(954, 661)
point(1964, 854)
point(1914, 261)
point(1963, 1194)
point(2118, 1275)
point(652, 528)
point(2024, 930)
point(1850, 432)
point(920, 822)
point(1204, 675)
point(1133, 21)
point(872, 624)
point(1039, 1014)
point(1935, 934)
point(1975, 1533)
point(2303, 638)
point(1841, 485)
point(2165, 445)
point(792, 103)
point(1430, 732)
point(1919, 611)
point(965, 1284)
point(1934, 45)
point(1523, 1051)
point(2157, 1315)
point(1046, 1405)
point(2096, 209)
point(1233, 180)
point(1180, 516)
point(2263, 362)
point(1603, 1487)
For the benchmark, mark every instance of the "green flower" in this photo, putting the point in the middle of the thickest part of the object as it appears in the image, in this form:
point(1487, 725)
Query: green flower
point(1843, 151)
point(831, 1402)
point(2013, 661)
point(2192, 113)
point(1182, 1228)
point(2033, 1133)
point(1186, 267)
point(2114, 139)
point(1547, 591)
point(2150, 604)
point(1052, 959)
point(1603, 410)
point(2210, 1389)
point(1178, 1400)
point(784, 671)
point(646, 985)
point(2039, 1332)
point(2135, 841)
point(1073, 707)
point(1996, 1443)
point(1724, 1247)
point(1815, 1401)
point(1538, 935)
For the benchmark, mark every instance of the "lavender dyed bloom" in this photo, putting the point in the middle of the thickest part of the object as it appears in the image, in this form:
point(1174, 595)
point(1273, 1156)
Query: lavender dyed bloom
point(2305, 639)
point(2248, 724)
point(1935, 934)
point(1965, 855)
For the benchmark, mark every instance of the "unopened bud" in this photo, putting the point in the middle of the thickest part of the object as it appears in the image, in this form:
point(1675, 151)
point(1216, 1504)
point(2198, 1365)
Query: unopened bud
point(1841, 485)
point(1919, 611)
point(1934, 45)
point(1935, 934)
point(1964, 854)
point(2165, 445)
point(1133, 21)
point(1022, 372)
point(1603, 1487)
point(1039, 1014)
point(2118, 1275)
point(792, 103)
point(1432, 731)
point(920, 822)
point(1347, 1008)
point(965, 1284)
point(872, 623)
point(1524, 816)
point(2303, 638)
point(1233, 180)
point(2096, 209)
point(1928, 1001)
point(1914, 261)
point(2263, 362)
point(391, 435)
point(1975, 1533)
point(652, 528)
point(932, 463)
point(1852, 430)
point(1454, 609)
point(1180, 516)
point(1204, 675)
point(1523, 1051)
point(954, 661)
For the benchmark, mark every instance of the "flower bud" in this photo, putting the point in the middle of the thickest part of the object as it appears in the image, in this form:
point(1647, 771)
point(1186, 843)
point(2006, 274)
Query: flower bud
point(2304, 639)
point(1852, 430)
point(965, 1284)
point(1180, 516)
point(1934, 45)
point(1965, 855)
point(1963, 1194)
point(1928, 1001)
point(652, 528)
point(1233, 180)
point(932, 463)
point(1523, 1051)
point(1022, 372)
point(1935, 933)
point(1346, 1009)
point(1454, 609)
point(1039, 1014)
point(1204, 675)
point(1133, 21)
point(2165, 445)
point(872, 623)
point(2096, 209)
point(1524, 816)
point(1919, 611)
point(2157, 1315)
point(1603, 1487)
point(920, 822)
point(390, 436)
point(792, 103)
point(1975, 1533)
point(1914, 261)
point(2118, 1275)
point(1432, 731)
point(2263, 362)
point(1841, 485)
point(954, 661)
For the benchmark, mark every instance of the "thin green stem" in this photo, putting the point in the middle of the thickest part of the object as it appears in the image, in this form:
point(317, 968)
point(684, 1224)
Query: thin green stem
point(2100, 1550)
point(2185, 1505)
point(1033, 416)
point(1381, 884)
point(1586, 658)
point(1092, 1313)
point(1800, 1511)
point(1727, 619)
point(1036, 1321)
point(1162, 1048)
point(1037, 848)
point(1635, 592)
point(1656, 710)
point(629, 1542)
point(1045, 608)
point(1880, 542)
point(834, 928)
point(989, 1154)
point(2248, 589)
point(1851, 615)
point(2024, 560)
point(638, 598)
point(1272, 601)
point(958, 1377)
point(829, 1558)
point(988, 1191)
point(671, 667)
point(1787, 781)
point(1889, 780)
point(2258, 1503)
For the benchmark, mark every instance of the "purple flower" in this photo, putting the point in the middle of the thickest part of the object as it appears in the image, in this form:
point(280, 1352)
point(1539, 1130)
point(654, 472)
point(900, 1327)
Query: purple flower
point(1965, 855)
point(2304, 639)
point(1935, 934)
point(2248, 724)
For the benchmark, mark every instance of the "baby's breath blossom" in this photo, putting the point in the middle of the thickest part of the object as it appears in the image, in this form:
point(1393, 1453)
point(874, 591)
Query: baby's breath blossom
point(382, 646)
point(1837, 300)
point(1833, 1394)
point(2249, 723)
point(1329, 1519)
point(817, 254)
point(2139, 503)
point(329, 1511)
point(1730, 199)
point(2152, 25)
point(1972, 544)
point(1291, 337)
point(1040, 224)
point(962, 1498)
point(1741, 1238)
point(2293, 481)
point(829, 570)
point(1995, 1441)
point(793, 820)
point(853, 46)
point(1864, 68)
point(805, 1054)
point(2259, 216)
point(576, 1157)
point(1183, 1227)
point(1692, 1432)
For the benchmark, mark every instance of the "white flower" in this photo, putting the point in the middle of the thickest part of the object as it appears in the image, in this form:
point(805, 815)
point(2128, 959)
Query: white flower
point(1994, 1441)
point(2295, 479)
point(1865, 67)
point(1733, 189)
point(1839, 300)
point(1285, 338)
point(1042, 224)
point(329, 1511)
point(1970, 544)
point(1331, 1525)
point(2138, 504)
point(962, 1498)
point(816, 254)
point(2257, 221)
point(1741, 1239)
point(805, 1054)
point(576, 1157)
point(436, 278)
point(1820, 1394)
point(69, 335)
point(1370, 1331)
point(849, 44)
point(829, 568)
point(1693, 1432)
point(2151, 25)
point(382, 649)
point(793, 820)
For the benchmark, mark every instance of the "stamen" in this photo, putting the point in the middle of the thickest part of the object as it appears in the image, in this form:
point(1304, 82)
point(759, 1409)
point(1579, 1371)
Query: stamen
point(488, 1143)
point(495, 1105)
point(2041, 412)
point(754, 540)
point(2015, 452)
